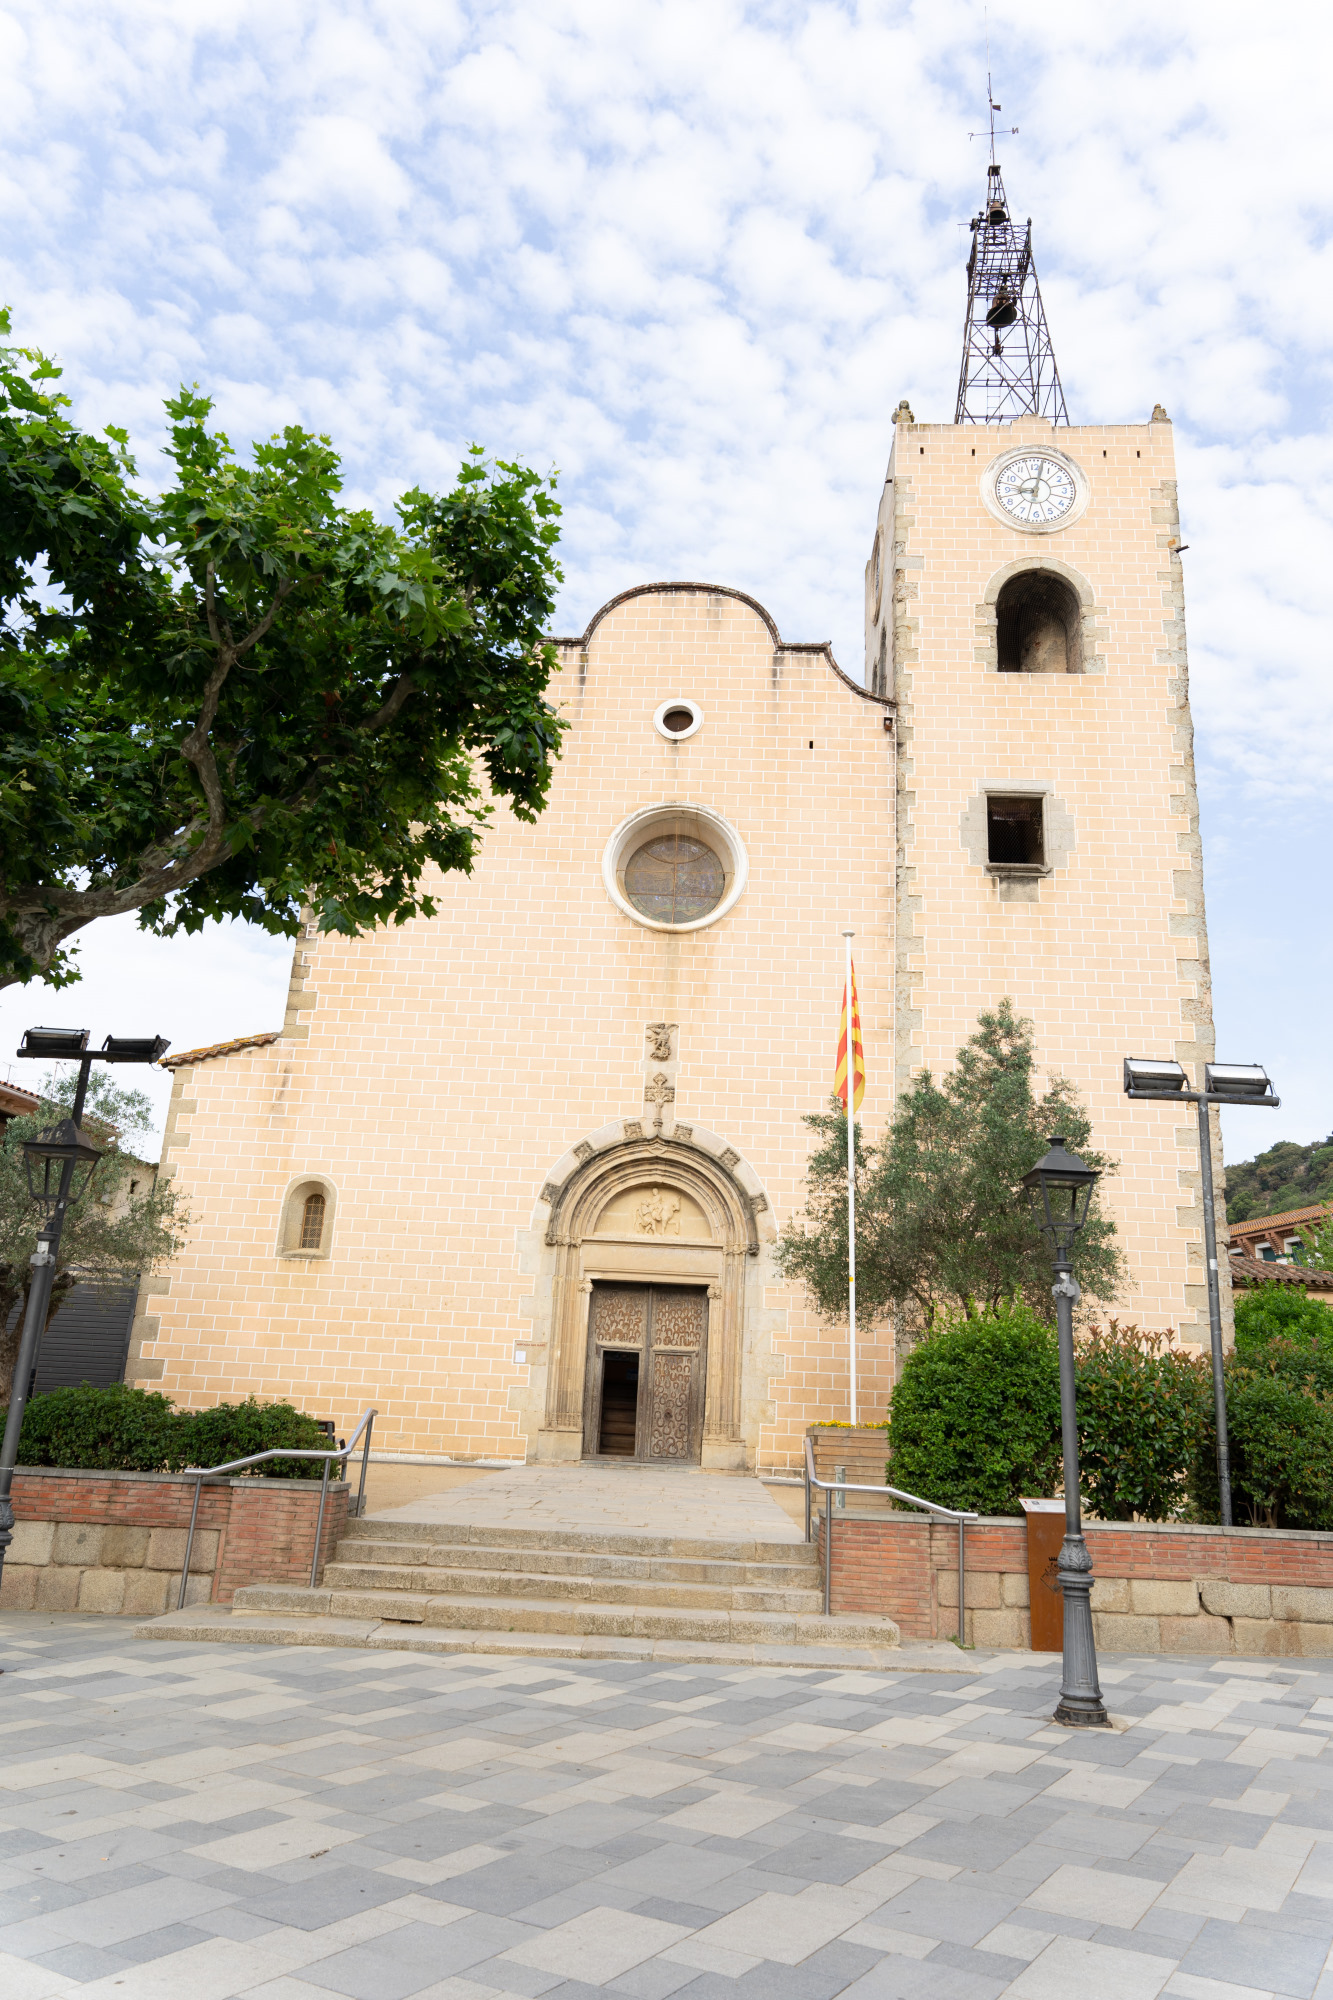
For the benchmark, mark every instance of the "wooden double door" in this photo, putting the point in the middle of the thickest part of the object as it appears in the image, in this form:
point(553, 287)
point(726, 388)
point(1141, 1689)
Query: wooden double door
point(647, 1352)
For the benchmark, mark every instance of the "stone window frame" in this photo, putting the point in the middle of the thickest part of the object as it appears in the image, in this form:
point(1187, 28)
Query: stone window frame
point(663, 710)
point(988, 640)
point(292, 1216)
point(1057, 829)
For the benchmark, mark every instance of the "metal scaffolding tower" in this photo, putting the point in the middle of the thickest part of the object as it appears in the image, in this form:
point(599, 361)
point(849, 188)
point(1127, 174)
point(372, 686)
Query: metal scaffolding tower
point(1008, 366)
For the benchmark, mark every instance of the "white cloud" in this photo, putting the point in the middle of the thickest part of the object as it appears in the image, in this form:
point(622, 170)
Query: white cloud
point(693, 252)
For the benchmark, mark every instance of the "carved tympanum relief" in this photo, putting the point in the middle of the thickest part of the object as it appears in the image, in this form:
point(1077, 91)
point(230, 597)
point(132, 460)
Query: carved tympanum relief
point(663, 1212)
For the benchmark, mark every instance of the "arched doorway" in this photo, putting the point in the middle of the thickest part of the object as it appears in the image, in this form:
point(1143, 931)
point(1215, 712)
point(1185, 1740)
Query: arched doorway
point(648, 1306)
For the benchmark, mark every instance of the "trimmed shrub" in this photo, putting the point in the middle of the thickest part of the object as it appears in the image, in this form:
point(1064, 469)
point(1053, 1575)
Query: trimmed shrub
point(102, 1430)
point(1280, 1430)
point(119, 1429)
point(1143, 1411)
point(235, 1430)
point(975, 1420)
point(1279, 1312)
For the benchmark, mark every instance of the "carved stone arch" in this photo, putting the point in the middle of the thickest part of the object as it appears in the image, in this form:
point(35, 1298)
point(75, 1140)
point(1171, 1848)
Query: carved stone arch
point(1040, 562)
point(584, 1183)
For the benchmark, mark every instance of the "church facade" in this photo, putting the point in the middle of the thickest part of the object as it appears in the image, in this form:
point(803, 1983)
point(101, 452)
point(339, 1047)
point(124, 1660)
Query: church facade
point(516, 1174)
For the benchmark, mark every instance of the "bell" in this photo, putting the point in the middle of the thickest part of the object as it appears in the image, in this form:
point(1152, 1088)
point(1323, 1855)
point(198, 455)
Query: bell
point(996, 213)
point(1004, 312)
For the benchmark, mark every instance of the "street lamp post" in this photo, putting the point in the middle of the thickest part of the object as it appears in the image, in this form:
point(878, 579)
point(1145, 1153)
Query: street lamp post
point(1223, 1083)
point(1060, 1191)
point(59, 1164)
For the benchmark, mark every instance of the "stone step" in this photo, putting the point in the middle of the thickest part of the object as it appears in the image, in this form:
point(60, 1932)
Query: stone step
point(433, 1580)
point(502, 1615)
point(215, 1624)
point(362, 1548)
point(461, 1535)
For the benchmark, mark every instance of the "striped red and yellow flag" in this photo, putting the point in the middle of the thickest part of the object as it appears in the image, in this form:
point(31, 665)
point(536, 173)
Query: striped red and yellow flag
point(858, 1054)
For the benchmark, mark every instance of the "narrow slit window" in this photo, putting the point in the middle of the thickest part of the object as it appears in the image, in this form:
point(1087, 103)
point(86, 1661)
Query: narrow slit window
point(312, 1222)
point(1014, 832)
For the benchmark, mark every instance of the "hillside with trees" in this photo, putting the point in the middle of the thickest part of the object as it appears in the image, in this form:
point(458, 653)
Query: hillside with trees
point(1286, 1176)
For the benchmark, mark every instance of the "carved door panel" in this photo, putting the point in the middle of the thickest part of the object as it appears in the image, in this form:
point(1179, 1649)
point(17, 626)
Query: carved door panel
point(617, 1327)
point(671, 1425)
point(657, 1334)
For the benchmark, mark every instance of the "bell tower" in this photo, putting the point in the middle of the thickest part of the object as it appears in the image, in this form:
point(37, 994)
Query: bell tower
point(1025, 609)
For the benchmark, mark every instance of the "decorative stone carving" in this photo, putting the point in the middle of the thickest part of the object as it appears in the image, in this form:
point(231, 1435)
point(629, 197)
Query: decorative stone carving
point(759, 1202)
point(583, 1151)
point(683, 1132)
point(658, 1214)
point(633, 1128)
point(550, 1191)
point(659, 1092)
point(659, 1040)
point(730, 1159)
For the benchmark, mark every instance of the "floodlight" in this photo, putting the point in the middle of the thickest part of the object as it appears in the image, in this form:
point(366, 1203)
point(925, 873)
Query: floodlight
point(1145, 1078)
point(133, 1048)
point(54, 1044)
point(1238, 1083)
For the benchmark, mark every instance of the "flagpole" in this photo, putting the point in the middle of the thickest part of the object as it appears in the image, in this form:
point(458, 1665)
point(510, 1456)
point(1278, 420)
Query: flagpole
point(851, 1171)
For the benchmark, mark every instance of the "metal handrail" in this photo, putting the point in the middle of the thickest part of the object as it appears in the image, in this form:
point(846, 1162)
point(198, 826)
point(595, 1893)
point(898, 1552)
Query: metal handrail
point(832, 1486)
point(343, 1453)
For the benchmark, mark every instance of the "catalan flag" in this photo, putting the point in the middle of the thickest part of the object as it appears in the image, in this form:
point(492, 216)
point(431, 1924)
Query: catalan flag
point(858, 1050)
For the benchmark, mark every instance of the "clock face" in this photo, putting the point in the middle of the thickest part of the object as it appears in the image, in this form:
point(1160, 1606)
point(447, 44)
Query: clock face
point(1035, 490)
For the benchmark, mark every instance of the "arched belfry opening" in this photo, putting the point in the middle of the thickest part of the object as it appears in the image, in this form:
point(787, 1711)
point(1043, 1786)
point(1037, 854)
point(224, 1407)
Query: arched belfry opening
point(1039, 625)
point(652, 1241)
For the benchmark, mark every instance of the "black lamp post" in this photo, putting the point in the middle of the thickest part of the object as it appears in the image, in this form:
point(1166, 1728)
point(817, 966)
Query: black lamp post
point(1060, 1192)
point(59, 1164)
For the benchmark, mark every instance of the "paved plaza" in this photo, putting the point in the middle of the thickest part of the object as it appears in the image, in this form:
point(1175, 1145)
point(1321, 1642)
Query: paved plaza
point(190, 1823)
point(626, 1499)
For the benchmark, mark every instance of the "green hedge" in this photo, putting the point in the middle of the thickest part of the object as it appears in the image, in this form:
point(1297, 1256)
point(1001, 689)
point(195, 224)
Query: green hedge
point(1144, 1413)
point(975, 1420)
point(137, 1430)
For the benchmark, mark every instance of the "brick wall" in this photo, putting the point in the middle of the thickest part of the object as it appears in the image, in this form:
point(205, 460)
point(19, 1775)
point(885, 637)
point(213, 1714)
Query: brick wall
point(1158, 1588)
point(115, 1542)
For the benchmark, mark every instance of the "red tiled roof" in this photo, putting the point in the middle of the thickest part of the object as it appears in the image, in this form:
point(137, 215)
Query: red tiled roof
point(1248, 1271)
point(16, 1103)
point(220, 1049)
point(1289, 1218)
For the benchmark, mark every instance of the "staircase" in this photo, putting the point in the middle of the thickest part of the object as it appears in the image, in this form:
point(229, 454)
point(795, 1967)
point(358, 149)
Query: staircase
point(450, 1587)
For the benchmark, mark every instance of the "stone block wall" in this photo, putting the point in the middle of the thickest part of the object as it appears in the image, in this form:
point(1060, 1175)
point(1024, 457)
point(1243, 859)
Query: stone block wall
point(115, 1542)
point(1158, 1589)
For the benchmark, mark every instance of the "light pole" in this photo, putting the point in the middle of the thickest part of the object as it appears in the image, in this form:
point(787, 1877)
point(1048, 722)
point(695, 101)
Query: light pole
point(1223, 1083)
point(52, 1160)
point(1060, 1192)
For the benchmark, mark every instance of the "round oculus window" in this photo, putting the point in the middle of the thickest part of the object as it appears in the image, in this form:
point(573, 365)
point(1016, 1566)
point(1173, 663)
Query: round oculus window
point(677, 719)
point(675, 867)
point(674, 879)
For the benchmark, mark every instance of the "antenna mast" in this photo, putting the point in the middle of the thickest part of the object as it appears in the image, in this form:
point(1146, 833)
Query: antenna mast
point(1008, 366)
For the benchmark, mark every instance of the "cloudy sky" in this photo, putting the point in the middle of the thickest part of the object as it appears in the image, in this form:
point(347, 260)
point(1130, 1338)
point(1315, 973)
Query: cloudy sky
point(692, 252)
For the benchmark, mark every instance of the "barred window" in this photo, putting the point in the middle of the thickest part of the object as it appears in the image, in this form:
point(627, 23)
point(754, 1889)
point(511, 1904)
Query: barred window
point(312, 1222)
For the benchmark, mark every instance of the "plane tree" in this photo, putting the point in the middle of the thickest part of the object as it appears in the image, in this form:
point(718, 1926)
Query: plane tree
point(239, 697)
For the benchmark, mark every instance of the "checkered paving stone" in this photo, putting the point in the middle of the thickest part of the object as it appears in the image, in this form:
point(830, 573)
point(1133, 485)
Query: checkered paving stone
point(183, 1822)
